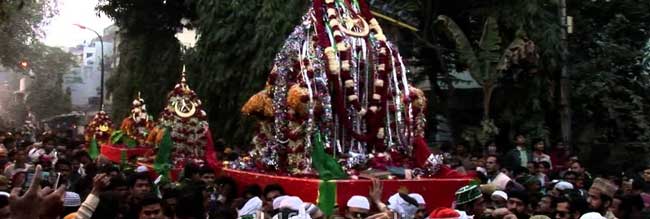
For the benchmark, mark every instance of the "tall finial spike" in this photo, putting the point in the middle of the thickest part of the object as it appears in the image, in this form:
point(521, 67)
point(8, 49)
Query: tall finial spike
point(139, 95)
point(183, 81)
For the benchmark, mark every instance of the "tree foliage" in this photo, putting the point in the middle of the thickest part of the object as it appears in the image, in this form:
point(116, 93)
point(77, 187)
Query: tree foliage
point(611, 90)
point(46, 96)
point(150, 55)
point(21, 23)
point(233, 56)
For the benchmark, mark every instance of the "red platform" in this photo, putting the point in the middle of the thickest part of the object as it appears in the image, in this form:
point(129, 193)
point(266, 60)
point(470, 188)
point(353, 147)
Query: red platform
point(114, 152)
point(436, 192)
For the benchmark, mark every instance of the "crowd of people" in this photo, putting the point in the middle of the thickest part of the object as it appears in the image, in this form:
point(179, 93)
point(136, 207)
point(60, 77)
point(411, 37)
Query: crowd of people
point(535, 181)
point(50, 176)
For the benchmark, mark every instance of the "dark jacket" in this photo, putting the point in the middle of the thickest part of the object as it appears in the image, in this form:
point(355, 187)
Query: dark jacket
point(512, 159)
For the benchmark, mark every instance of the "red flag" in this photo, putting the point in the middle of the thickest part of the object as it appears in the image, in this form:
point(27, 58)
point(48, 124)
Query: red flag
point(210, 152)
point(421, 151)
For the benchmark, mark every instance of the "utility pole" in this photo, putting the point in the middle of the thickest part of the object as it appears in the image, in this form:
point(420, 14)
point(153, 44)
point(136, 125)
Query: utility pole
point(565, 87)
point(101, 67)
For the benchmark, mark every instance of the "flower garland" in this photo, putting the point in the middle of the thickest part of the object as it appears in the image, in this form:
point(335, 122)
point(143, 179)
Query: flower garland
point(187, 123)
point(337, 75)
point(99, 128)
point(137, 124)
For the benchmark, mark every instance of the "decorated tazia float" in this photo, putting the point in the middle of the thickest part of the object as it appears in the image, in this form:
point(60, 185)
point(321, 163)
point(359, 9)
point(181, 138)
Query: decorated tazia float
point(338, 109)
point(180, 136)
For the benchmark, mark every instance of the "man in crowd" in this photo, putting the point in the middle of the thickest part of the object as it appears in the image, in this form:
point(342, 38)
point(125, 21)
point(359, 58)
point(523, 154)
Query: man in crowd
point(469, 201)
point(564, 210)
point(139, 184)
point(601, 195)
point(357, 207)
point(150, 207)
point(645, 178)
point(493, 167)
point(518, 156)
point(20, 163)
point(582, 173)
point(539, 153)
point(271, 192)
point(545, 206)
point(518, 204)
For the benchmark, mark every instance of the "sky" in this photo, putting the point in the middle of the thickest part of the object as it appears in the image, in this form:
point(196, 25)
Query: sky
point(61, 33)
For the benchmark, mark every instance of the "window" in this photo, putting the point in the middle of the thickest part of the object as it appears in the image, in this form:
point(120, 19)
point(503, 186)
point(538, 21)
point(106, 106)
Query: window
point(88, 55)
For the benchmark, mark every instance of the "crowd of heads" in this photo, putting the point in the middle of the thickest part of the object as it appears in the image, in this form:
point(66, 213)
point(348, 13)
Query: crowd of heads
point(529, 181)
point(536, 181)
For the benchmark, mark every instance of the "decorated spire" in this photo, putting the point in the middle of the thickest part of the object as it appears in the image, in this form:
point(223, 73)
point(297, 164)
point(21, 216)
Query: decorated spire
point(186, 121)
point(136, 125)
point(99, 128)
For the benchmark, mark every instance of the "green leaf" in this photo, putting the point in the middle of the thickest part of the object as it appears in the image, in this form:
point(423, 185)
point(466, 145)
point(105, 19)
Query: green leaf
point(464, 49)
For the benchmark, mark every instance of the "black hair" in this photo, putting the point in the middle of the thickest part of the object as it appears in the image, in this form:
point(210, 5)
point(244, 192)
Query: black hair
point(135, 177)
point(25, 144)
point(579, 162)
point(252, 190)
point(190, 203)
point(224, 180)
point(520, 170)
point(519, 194)
point(169, 192)
point(109, 202)
point(495, 157)
point(116, 181)
point(205, 170)
point(553, 200)
point(149, 199)
point(577, 200)
point(108, 169)
point(273, 187)
point(570, 173)
point(62, 162)
point(519, 134)
point(146, 200)
point(190, 170)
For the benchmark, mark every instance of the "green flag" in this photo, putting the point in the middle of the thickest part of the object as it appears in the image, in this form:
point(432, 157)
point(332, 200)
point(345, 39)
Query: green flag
point(325, 164)
point(123, 159)
point(162, 162)
point(328, 169)
point(327, 196)
point(93, 150)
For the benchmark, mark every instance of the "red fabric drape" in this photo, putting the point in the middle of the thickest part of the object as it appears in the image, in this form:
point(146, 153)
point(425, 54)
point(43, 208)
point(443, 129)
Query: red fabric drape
point(436, 192)
point(113, 152)
point(211, 153)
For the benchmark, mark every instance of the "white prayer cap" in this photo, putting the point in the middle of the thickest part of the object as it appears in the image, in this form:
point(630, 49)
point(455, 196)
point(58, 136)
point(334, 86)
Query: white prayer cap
point(499, 193)
point(358, 201)
point(563, 185)
point(71, 199)
point(418, 198)
point(292, 202)
point(592, 215)
point(277, 201)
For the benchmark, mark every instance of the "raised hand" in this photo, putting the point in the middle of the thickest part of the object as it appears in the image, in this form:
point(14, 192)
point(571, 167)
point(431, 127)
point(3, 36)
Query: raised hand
point(376, 190)
point(36, 201)
point(100, 182)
